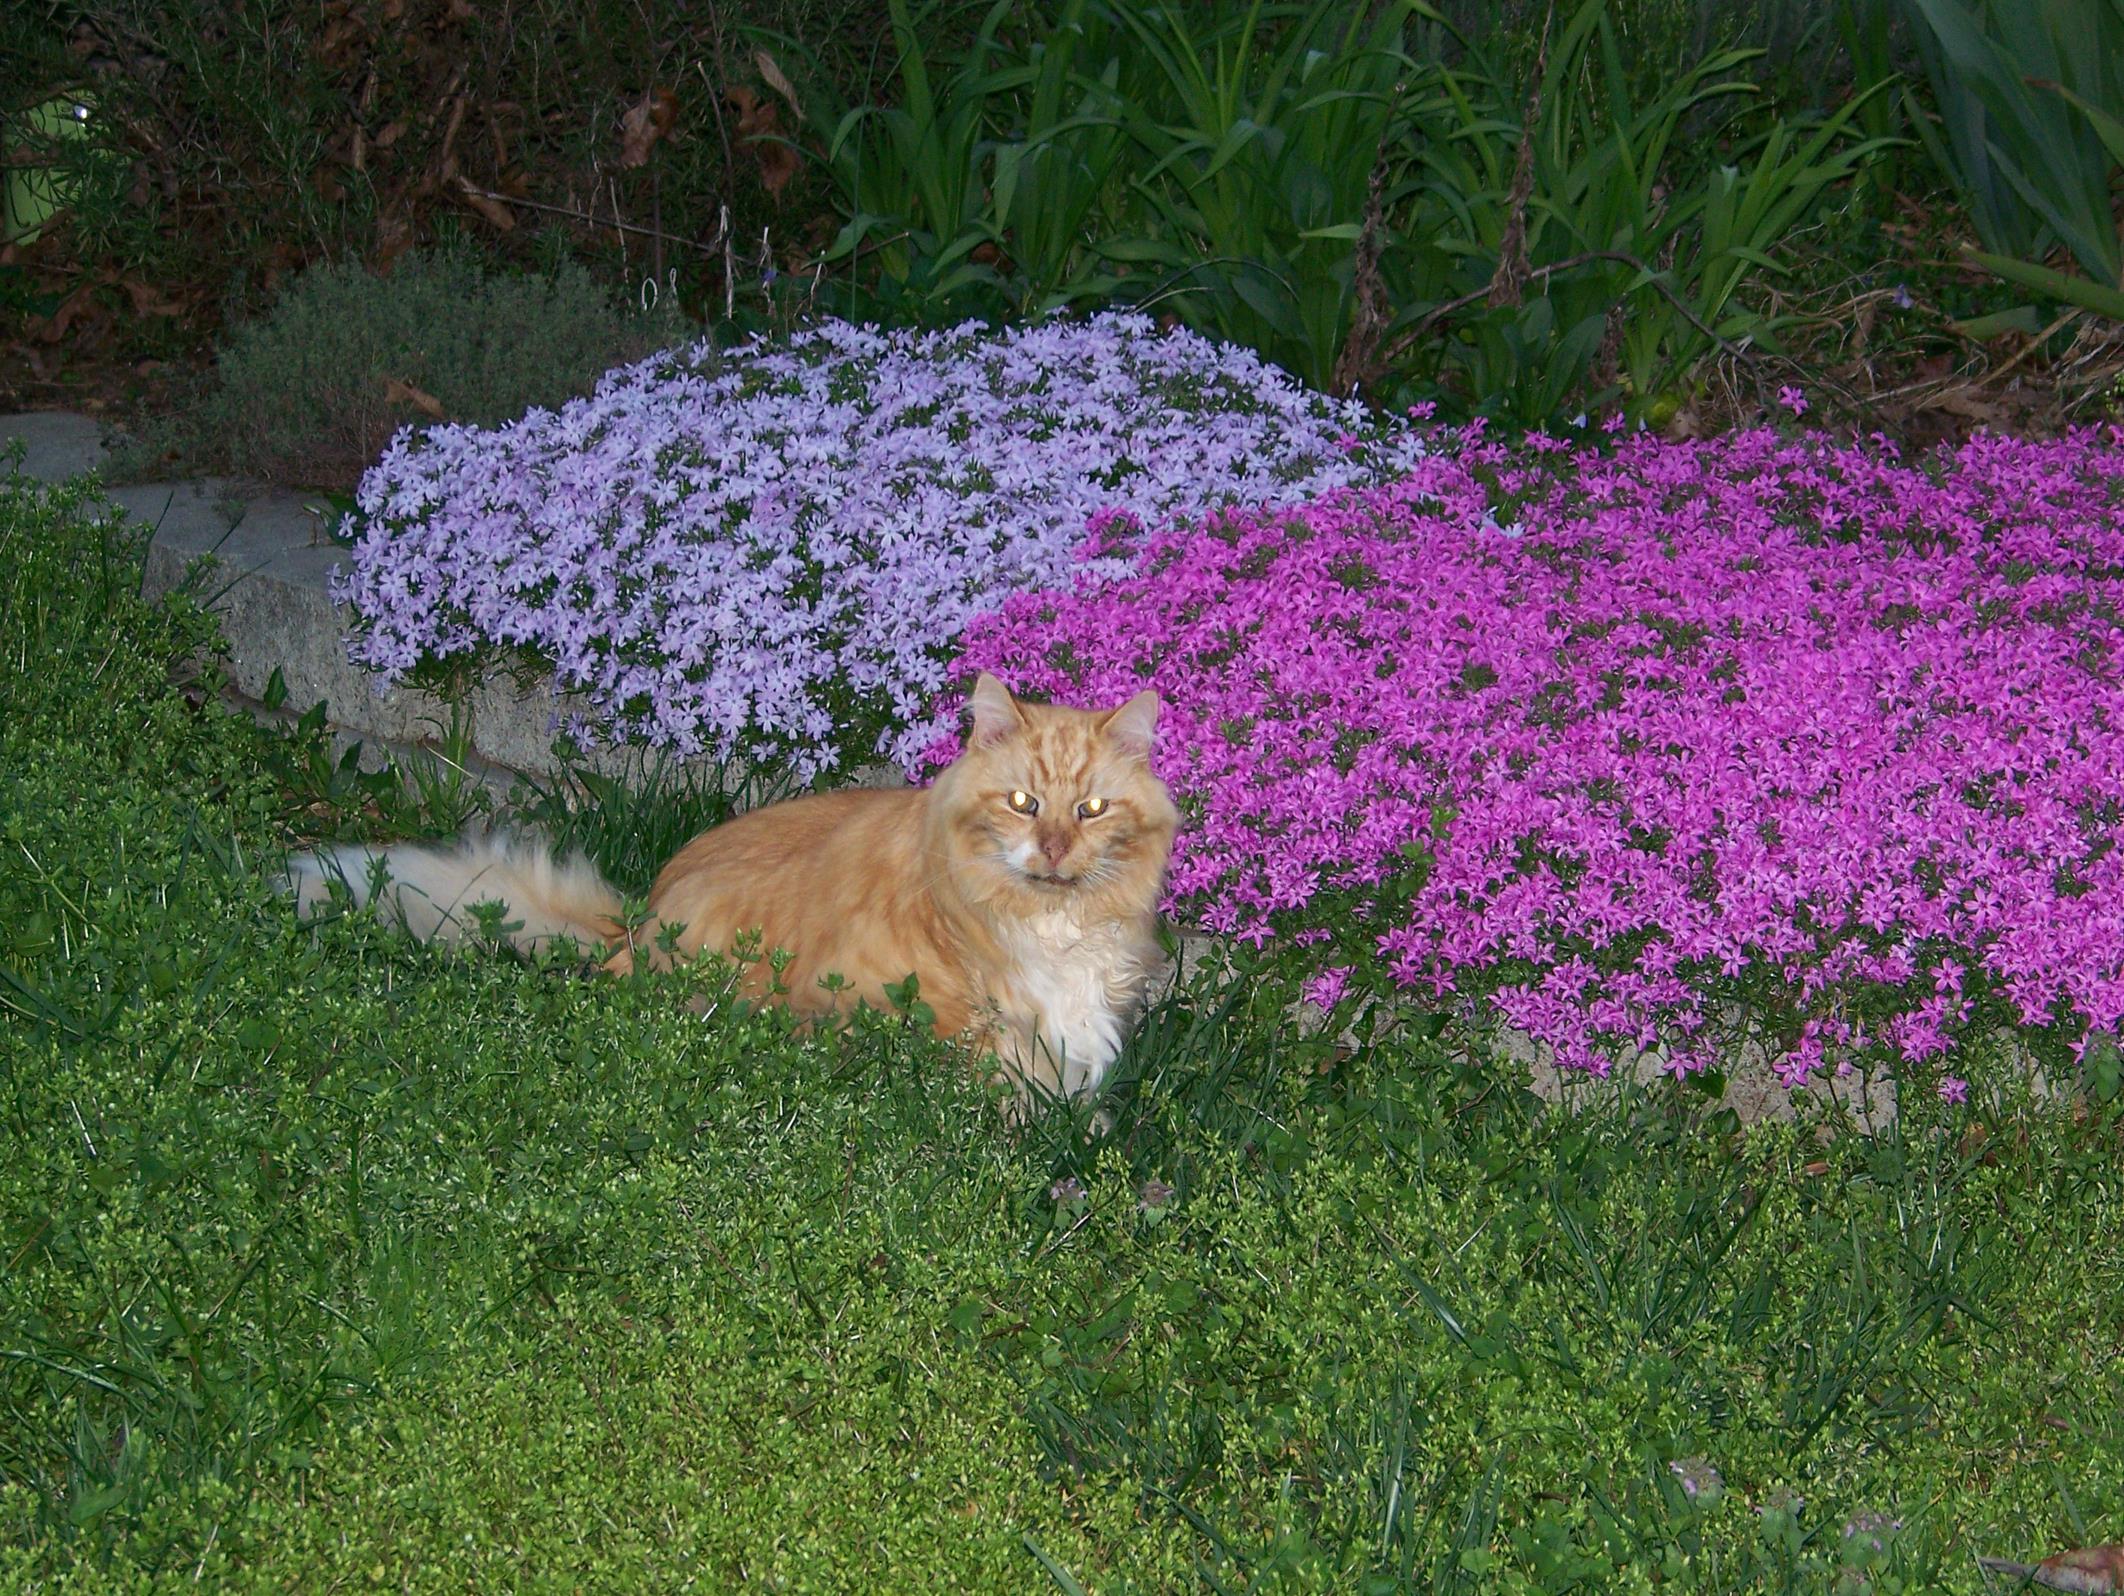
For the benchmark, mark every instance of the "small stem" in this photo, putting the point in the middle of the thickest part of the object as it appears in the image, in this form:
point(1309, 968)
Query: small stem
point(708, 248)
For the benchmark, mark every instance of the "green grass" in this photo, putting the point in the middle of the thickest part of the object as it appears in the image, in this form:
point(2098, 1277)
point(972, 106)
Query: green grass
point(331, 1261)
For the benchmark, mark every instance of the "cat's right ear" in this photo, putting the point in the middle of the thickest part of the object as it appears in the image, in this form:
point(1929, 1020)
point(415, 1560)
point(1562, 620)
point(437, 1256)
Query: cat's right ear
point(1131, 727)
point(995, 713)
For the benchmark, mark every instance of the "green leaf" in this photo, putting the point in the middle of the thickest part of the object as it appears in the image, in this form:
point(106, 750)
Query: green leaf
point(2107, 128)
point(1064, 1582)
point(2020, 319)
point(87, 1509)
point(1155, 251)
point(2080, 291)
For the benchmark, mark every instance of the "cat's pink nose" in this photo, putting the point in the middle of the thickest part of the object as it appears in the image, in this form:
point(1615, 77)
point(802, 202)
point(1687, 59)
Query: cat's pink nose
point(1056, 849)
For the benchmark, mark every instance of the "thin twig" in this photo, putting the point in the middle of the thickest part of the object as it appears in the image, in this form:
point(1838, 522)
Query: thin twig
point(1437, 313)
point(715, 96)
point(1508, 285)
point(1354, 367)
point(708, 248)
point(2033, 344)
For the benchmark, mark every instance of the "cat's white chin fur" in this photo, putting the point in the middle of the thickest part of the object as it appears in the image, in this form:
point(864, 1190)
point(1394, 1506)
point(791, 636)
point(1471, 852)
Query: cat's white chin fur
point(1074, 991)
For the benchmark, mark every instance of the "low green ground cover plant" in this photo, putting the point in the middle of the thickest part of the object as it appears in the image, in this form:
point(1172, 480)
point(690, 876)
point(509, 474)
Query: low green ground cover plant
point(309, 393)
point(327, 1258)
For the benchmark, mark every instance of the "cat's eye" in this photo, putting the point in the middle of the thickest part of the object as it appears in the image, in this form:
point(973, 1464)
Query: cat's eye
point(1024, 803)
point(1091, 809)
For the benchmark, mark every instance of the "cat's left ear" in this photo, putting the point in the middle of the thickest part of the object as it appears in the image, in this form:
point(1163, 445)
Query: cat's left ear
point(1131, 727)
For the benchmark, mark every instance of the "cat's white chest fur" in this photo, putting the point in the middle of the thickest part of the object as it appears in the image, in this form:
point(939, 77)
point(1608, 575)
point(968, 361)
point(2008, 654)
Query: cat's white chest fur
point(1072, 992)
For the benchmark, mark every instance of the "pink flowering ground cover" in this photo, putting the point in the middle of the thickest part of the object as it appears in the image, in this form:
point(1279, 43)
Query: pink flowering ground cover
point(1608, 738)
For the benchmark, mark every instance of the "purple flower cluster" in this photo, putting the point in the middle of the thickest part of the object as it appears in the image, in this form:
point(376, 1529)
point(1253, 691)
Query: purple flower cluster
point(1608, 737)
point(773, 551)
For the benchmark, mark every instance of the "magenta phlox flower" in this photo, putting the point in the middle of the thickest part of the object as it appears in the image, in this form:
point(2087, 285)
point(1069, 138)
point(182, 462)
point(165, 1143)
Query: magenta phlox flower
point(1762, 720)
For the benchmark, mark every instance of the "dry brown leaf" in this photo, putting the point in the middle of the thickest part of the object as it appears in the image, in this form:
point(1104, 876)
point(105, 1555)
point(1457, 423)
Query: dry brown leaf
point(778, 164)
point(341, 40)
point(644, 124)
point(1686, 422)
point(149, 300)
point(491, 210)
point(389, 134)
point(447, 158)
point(404, 393)
point(759, 130)
point(394, 236)
point(1963, 399)
point(777, 80)
point(69, 310)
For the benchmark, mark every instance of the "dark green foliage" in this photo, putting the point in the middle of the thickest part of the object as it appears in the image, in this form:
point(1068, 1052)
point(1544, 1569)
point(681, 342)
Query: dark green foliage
point(2031, 134)
point(309, 394)
point(237, 142)
point(329, 1260)
point(1340, 188)
point(630, 828)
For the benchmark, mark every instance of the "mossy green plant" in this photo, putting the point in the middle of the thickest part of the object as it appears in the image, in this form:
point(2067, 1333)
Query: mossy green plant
point(308, 394)
point(327, 1258)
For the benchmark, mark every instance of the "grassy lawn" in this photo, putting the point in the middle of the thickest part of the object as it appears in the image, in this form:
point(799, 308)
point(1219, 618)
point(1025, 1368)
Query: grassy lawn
point(329, 1261)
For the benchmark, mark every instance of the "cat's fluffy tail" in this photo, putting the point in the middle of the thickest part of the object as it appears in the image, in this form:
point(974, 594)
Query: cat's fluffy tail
point(432, 891)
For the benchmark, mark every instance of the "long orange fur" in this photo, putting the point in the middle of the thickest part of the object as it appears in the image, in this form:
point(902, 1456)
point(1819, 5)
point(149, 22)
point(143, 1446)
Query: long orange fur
point(1020, 890)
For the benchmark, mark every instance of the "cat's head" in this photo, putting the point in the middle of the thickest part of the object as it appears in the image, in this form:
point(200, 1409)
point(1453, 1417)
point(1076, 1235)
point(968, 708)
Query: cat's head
point(1056, 808)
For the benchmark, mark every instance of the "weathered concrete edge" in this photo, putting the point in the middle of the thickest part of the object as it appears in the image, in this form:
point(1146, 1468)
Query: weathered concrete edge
point(264, 566)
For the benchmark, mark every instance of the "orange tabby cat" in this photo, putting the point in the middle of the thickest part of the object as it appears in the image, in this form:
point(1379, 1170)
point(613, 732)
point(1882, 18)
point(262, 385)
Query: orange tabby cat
point(1021, 890)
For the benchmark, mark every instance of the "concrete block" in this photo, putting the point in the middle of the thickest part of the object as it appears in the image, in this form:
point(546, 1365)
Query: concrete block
point(263, 566)
point(57, 444)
